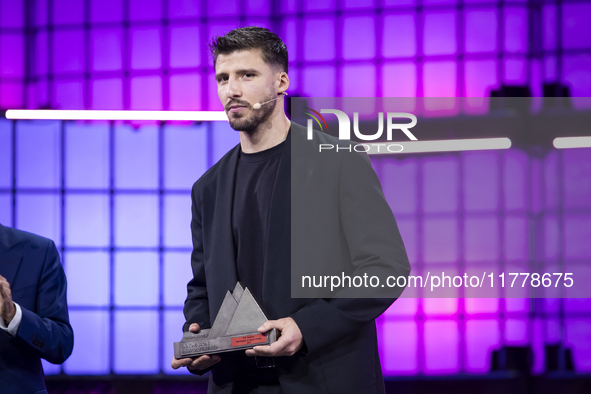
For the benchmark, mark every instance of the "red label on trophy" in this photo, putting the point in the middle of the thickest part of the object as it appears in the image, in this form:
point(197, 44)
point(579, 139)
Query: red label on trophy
point(234, 328)
point(248, 340)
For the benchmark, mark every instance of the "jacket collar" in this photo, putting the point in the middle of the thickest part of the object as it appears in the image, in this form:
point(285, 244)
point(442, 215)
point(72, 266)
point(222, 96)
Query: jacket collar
point(224, 252)
point(277, 249)
point(6, 238)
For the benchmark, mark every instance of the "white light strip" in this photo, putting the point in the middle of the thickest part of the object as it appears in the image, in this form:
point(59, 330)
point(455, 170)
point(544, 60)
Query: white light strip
point(115, 115)
point(371, 148)
point(439, 146)
point(572, 142)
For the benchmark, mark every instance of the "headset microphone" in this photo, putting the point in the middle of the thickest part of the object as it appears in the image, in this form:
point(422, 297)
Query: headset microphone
point(258, 105)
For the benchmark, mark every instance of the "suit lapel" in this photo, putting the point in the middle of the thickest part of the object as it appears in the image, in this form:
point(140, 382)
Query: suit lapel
point(223, 255)
point(277, 250)
point(9, 259)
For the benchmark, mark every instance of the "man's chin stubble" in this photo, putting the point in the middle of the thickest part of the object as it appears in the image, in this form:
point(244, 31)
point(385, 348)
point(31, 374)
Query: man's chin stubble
point(250, 125)
point(242, 124)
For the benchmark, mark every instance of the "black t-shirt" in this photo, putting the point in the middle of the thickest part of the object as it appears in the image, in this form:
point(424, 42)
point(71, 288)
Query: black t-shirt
point(253, 190)
point(256, 174)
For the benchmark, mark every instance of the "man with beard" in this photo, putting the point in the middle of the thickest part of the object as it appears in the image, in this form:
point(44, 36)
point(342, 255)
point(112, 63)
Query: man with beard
point(241, 231)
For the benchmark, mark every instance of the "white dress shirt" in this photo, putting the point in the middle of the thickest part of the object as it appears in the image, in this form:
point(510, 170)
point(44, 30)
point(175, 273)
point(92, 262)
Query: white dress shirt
point(15, 323)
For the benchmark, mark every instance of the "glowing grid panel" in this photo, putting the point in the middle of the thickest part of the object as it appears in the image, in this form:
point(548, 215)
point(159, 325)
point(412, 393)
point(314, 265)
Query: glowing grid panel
point(87, 156)
point(39, 213)
point(136, 341)
point(92, 333)
point(177, 273)
point(5, 154)
point(88, 276)
point(136, 279)
point(87, 220)
point(38, 143)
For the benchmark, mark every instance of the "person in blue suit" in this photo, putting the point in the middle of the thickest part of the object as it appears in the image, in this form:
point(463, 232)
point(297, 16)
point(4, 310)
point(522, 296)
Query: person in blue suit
point(34, 321)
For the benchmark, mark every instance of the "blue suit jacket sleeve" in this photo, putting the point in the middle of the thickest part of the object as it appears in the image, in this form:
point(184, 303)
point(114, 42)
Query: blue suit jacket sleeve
point(47, 330)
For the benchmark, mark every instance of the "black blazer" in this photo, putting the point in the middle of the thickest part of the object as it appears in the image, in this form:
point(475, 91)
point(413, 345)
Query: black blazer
point(31, 265)
point(351, 223)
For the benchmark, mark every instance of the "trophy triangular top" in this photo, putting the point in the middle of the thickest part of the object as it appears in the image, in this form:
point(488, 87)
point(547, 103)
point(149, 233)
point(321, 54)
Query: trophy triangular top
point(234, 328)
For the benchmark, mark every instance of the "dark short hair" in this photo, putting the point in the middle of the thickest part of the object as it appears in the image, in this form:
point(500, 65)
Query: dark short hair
point(272, 47)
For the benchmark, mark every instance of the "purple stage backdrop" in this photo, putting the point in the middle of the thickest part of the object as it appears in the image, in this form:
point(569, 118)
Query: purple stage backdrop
point(116, 199)
point(151, 54)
